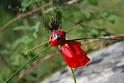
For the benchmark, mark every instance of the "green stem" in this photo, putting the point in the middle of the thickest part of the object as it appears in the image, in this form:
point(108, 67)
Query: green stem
point(74, 77)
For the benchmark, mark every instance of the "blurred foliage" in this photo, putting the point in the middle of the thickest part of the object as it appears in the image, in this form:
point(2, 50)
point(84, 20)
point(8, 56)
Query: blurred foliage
point(96, 18)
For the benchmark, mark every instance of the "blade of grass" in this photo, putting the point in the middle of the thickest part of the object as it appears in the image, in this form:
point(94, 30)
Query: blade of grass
point(24, 65)
point(35, 47)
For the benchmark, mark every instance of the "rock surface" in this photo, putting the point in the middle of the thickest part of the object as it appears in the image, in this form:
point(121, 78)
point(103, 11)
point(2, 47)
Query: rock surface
point(106, 66)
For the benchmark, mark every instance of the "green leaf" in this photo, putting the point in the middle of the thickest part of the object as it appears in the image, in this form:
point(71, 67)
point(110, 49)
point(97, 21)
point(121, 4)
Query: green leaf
point(36, 29)
point(25, 4)
point(93, 2)
point(112, 18)
point(23, 40)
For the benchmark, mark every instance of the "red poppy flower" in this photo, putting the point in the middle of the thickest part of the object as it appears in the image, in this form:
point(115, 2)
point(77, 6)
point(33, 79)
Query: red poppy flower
point(73, 54)
point(56, 37)
point(70, 49)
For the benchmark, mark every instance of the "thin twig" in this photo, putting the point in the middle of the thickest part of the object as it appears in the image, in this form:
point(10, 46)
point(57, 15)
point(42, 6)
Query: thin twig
point(22, 15)
point(72, 1)
point(31, 12)
point(111, 37)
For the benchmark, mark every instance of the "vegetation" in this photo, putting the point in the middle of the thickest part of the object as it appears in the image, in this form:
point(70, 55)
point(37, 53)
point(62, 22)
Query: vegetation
point(21, 28)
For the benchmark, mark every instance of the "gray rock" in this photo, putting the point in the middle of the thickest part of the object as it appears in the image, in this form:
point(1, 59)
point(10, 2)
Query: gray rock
point(106, 66)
